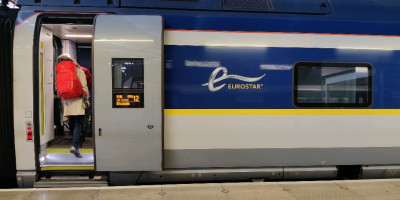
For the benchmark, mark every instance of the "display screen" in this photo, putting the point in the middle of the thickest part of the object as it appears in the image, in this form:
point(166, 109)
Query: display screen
point(128, 100)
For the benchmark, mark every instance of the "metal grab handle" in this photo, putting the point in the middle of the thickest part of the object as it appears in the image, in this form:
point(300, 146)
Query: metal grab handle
point(99, 131)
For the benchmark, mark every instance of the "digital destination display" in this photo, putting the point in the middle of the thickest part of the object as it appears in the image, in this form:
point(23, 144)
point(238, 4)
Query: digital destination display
point(128, 100)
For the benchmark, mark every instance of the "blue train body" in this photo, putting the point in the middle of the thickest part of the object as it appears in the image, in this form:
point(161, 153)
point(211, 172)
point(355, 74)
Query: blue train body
point(183, 83)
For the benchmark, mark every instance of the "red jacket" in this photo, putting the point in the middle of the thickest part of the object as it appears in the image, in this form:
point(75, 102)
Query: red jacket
point(88, 77)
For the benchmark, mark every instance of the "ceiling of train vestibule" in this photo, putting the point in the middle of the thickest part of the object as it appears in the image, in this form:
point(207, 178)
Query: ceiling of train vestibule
point(76, 33)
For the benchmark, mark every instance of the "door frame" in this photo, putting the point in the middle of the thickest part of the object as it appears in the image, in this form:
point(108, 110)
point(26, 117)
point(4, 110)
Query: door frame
point(41, 18)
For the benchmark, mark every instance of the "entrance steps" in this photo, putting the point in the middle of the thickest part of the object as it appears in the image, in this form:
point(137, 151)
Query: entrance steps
point(72, 181)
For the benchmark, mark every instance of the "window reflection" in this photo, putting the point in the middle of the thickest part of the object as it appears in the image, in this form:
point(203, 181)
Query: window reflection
point(128, 73)
point(333, 85)
point(128, 83)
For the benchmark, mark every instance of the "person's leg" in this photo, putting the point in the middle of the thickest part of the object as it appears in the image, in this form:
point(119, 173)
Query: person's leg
point(71, 121)
point(76, 121)
point(71, 126)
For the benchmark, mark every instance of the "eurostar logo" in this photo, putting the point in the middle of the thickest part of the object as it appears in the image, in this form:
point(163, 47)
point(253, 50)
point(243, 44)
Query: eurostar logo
point(213, 80)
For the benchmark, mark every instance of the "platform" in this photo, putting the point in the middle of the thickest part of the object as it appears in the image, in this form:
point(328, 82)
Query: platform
point(348, 189)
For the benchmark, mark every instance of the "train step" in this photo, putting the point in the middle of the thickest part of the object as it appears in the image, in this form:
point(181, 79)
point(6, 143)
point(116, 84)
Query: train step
point(71, 181)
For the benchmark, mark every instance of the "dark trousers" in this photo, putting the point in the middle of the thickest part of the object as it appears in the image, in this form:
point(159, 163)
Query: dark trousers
point(75, 127)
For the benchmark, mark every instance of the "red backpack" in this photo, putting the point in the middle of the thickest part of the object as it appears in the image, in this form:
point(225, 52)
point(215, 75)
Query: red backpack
point(67, 82)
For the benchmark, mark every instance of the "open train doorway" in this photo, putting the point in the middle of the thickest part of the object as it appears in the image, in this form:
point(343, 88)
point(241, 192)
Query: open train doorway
point(58, 36)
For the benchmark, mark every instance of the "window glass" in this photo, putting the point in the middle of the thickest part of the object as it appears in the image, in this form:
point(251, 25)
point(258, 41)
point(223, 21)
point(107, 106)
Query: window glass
point(332, 84)
point(128, 83)
point(128, 73)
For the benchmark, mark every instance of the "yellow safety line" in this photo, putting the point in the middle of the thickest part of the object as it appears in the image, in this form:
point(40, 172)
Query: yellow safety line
point(67, 150)
point(282, 112)
point(67, 168)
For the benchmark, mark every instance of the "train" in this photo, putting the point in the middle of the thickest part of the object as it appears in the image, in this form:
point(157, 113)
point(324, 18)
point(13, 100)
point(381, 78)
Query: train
point(205, 90)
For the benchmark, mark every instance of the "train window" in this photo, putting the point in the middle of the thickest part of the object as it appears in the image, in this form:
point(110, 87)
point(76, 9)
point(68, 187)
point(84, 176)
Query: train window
point(127, 82)
point(332, 84)
point(127, 73)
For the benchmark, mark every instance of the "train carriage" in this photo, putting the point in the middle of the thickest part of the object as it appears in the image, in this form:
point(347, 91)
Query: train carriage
point(212, 90)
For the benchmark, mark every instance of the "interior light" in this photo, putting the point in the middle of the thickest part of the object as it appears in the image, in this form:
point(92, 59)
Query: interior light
point(362, 69)
point(122, 40)
point(79, 36)
point(235, 45)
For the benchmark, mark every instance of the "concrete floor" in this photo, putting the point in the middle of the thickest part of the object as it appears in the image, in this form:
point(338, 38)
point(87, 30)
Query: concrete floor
point(334, 190)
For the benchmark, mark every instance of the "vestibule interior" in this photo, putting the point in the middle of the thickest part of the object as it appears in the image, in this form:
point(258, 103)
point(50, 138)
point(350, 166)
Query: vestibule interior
point(55, 136)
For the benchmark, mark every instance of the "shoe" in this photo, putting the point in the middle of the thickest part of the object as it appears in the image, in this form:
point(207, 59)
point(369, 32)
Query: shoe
point(72, 150)
point(76, 153)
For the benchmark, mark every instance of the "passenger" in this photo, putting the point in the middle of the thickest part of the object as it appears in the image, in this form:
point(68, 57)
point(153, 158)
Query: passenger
point(74, 108)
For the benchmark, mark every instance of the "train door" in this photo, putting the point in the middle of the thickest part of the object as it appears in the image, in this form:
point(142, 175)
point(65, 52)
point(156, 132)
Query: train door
point(57, 36)
point(128, 103)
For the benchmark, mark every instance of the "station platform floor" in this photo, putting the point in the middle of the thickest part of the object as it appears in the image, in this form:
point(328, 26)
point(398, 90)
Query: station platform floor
point(384, 189)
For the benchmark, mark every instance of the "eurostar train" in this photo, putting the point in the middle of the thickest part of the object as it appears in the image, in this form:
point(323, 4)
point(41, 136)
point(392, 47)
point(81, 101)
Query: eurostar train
point(206, 90)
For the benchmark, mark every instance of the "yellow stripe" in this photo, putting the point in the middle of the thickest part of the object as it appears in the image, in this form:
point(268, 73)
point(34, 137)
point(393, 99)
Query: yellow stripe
point(282, 112)
point(41, 94)
point(67, 168)
point(67, 150)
